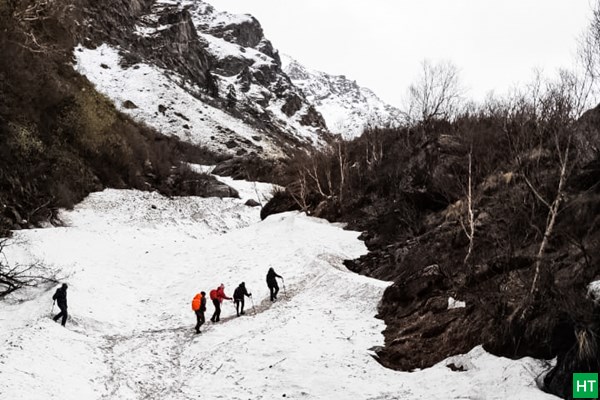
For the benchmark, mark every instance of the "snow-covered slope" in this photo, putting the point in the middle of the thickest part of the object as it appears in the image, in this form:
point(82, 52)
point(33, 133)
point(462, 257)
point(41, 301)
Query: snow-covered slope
point(156, 97)
point(208, 77)
point(347, 107)
point(134, 260)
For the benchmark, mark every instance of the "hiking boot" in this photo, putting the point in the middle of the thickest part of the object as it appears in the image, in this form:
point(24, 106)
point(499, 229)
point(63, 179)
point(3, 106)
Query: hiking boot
point(242, 313)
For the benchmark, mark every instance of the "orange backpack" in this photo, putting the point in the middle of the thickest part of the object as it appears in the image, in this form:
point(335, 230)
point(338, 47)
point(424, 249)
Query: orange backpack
point(196, 302)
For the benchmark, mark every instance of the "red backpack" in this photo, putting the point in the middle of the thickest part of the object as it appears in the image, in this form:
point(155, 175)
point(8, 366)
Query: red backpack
point(213, 294)
point(196, 302)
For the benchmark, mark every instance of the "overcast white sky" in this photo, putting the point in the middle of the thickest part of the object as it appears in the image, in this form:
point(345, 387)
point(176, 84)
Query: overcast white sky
point(381, 43)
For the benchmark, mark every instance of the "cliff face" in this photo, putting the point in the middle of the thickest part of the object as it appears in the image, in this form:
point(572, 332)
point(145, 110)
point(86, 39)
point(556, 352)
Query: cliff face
point(145, 30)
point(250, 69)
point(215, 69)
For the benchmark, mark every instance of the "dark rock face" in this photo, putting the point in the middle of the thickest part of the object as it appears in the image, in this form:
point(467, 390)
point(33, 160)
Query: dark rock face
point(312, 118)
point(247, 33)
point(251, 167)
point(281, 202)
point(587, 139)
point(176, 47)
point(231, 66)
point(292, 105)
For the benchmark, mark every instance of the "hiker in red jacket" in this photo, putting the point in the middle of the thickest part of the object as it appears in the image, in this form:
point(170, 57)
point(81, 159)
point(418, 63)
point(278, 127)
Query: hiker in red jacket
point(217, 296)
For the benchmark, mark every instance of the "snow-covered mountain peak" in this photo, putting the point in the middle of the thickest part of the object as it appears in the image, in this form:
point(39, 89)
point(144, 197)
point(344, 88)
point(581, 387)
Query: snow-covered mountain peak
point(347, 107)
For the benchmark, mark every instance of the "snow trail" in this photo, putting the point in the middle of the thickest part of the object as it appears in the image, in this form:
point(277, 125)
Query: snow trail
point(134, 261)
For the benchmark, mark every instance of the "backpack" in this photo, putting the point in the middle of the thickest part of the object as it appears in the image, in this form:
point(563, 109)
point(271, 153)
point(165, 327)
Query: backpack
point(213, 294)
point(196, 302)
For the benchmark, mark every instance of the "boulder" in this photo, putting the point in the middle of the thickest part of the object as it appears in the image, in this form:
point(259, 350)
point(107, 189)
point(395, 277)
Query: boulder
point(252, 203)
point(220, 189)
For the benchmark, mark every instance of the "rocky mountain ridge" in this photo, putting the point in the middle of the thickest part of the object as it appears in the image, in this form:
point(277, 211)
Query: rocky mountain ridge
point(210, 77)
point(347, 107)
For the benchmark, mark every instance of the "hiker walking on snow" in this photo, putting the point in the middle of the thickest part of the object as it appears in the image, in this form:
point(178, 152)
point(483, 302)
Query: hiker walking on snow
point(238, 298)
point(217, 296)
point(61, 299)
point(272, 283)
point(199, 307)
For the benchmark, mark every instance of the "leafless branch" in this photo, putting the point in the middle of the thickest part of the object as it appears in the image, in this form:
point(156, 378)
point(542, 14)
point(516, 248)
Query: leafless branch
point(552, 213)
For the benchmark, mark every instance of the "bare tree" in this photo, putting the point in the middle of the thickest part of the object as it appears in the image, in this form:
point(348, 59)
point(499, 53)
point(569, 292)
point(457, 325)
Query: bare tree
point(26, 14)
point(343, 166)
point(17, 276)
point(299, 190)
point(556, 106)
point(436, 94)
point(553, 210)
point(470, 232)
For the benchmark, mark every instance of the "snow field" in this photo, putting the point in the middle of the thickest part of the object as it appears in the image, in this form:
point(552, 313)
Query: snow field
point(134, 261)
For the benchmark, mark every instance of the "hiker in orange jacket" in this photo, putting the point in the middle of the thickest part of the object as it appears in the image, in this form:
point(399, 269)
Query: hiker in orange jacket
point(199, 307)
point(217, 296)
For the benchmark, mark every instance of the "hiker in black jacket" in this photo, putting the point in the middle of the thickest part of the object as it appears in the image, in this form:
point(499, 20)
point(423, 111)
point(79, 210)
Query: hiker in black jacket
point(61, 299)
point(272, 283)
point(238, 298)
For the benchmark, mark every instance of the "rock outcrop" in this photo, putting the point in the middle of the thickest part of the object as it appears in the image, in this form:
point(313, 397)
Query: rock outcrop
point(247, 64)
point(148, 31)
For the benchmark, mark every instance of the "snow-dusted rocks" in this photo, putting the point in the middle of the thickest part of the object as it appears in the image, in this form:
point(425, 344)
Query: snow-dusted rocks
point(208, 77)
point(453, 303)
point(347, 107)
point(593, 291)
point(249, 69)
point(162, 102)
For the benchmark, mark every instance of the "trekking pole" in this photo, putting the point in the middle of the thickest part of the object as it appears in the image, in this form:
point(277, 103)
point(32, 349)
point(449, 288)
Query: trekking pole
point(52, 311)
point(283, 284)
point(253, 310)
